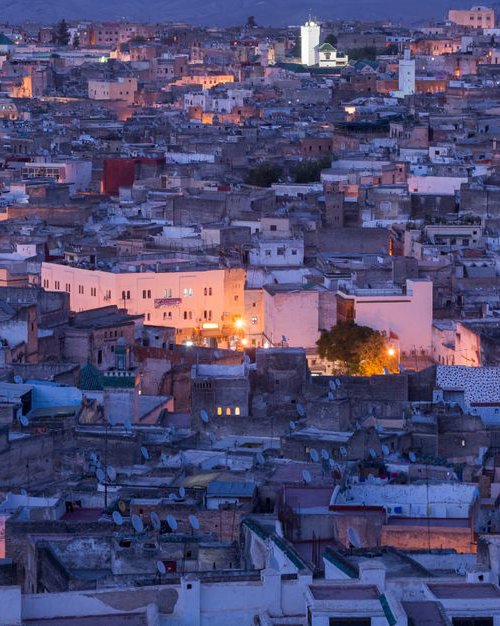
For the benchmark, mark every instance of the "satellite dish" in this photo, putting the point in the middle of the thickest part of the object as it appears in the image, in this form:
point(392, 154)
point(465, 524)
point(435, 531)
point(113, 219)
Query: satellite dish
point(24, 492)
point(385, 449)
point(113, 420)
point(18, 379)
point(338, 382)
point(160, 566)
point(324, 454)
point(172, 497)
point(163, 458)
point(212, 438)
point(331, 395)
point(111, 472)
point(292, 425)
point(314, 455)
point(372, 453)
point(145, 453)
point(127, 425)
point(155, 520)
point(93, 457)
point(332, 385)
point(24, 421)
point(331, 463)
point(182, 492)
point(412, 456)
point(172, 522)
point(260, 458)
point(306, 475)
point(343, 451)
point(100, 475)
point(354, 540)
point(204, 416)
point(137, 524)
point(194, 522)
point(117, 518)
point(300, 410)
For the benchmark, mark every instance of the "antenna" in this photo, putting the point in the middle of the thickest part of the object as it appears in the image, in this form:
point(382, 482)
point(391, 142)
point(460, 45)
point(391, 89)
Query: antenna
point(172, 522)
point(306, 475)
point(353, 536)
point(137, 524)
point(155, 520)
point(314, 455)
point(204, 416)
point(301, 412)
point(117, 518)
point(194, 522)
point(145, 453)
point(111, 472)
point(160, 566)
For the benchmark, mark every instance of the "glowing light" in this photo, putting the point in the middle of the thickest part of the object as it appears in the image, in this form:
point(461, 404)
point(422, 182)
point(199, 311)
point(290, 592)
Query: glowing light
point(391, 352)
point(244, 341)
point(239, 323)
point(188, 343)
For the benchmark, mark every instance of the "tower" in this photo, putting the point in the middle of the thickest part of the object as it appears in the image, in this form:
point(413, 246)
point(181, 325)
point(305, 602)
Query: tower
point(309, 35)
point(407, 74)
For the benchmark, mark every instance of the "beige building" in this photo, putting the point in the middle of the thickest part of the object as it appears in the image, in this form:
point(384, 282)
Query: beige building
point(476, 17)
point(121, 89)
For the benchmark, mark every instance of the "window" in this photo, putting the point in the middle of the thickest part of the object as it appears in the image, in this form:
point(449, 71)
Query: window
point(219, 410)
point(280, 251)
point(355, 621)
point(168, 293)
point(56, 284)
point(210, 291)
point(273, 227)
point(472, 621)
point(148, 317)
point(68, 287)
point(81, 289)
point(187, 292)
point(205, 291)
point(237, 410)
point(294, 252)
point(93, 291)
point(185, 315)
point(45, 283)
point(228, 410)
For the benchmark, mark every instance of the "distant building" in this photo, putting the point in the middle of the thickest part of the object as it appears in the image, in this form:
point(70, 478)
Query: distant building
point(476, 17)
point(328, 56)
point(407, 81)
point(309, 37)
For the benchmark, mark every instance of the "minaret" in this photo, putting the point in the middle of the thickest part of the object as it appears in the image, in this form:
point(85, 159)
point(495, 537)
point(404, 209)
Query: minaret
point(407, 74)
point(309, 35)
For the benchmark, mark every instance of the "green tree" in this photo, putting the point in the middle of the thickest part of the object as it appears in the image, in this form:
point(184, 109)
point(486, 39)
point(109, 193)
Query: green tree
point(358, 349)
point(62, 33)
point(309, 170)
point(368, 53)
point(264, 174)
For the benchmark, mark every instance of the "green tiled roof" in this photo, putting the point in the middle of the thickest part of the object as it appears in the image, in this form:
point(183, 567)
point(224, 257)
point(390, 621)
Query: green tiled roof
point(90, 378)
point(5, 41)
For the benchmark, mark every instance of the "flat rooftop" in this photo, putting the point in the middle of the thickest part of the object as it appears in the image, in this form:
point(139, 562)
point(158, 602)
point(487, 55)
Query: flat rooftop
point(465, 591)
point(344, 592)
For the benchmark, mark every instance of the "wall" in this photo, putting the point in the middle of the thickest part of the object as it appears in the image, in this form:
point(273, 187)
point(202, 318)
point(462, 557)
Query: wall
point(293, 314)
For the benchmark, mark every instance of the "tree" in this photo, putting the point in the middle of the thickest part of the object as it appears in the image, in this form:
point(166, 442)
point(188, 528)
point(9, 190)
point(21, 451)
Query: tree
point(358, 349)
point(309, 170)
point(251, 23)
point(331, 39)
point(264, 174)
point(368, 53)
point(76, 41)
point(62, 33)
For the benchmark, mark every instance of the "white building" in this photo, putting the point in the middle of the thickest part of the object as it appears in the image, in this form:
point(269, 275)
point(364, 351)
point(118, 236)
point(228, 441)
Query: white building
point(328, 56)
point(407, 74)
point(309, 37)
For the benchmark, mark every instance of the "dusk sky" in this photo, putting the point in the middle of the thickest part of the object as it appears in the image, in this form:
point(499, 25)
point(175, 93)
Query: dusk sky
point(224, 11)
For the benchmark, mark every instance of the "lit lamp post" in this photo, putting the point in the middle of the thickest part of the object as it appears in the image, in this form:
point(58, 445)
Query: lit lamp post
point(239, 325)
point(393, 354)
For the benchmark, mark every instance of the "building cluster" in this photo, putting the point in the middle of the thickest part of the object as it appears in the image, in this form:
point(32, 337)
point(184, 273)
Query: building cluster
point(184, 211)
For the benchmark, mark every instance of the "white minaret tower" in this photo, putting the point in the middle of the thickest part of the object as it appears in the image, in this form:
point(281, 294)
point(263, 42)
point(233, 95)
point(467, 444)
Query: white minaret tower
point(407, 74)
point(309, 35)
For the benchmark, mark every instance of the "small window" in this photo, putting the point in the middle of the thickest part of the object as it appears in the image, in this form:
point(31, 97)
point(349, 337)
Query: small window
point(219, 410)
point(228, 410)
point(237, 410)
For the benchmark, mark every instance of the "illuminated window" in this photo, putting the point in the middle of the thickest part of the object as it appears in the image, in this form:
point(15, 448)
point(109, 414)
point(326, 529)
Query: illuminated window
point(228, 410)
point(237, 410)
point(219, 410)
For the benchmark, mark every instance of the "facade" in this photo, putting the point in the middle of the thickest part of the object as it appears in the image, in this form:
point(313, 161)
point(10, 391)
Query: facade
point(309, 37)
point(404, 314)
point(328, 56)
point(121, 89)
point(476, 17)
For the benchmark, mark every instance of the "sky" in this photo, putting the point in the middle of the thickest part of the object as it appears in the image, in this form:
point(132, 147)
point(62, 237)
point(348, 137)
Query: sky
point(228, 12)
